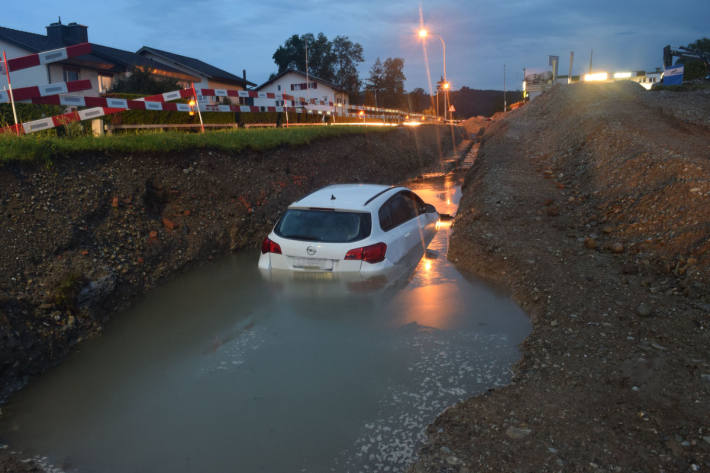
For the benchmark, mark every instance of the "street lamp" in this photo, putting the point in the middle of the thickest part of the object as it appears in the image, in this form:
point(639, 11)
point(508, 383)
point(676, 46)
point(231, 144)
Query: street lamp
point(423, 34)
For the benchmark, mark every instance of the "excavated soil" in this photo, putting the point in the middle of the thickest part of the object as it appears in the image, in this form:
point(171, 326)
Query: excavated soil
point(591, 206)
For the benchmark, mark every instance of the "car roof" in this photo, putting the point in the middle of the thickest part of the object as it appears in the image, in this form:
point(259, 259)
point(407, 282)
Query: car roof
point(357, 197)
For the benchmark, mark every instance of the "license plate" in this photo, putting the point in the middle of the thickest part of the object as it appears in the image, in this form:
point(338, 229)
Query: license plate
point(313, 276)
point(313, 264)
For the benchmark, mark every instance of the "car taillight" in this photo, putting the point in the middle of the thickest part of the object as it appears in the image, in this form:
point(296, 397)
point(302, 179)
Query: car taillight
point(268, 246)
point(369, 254)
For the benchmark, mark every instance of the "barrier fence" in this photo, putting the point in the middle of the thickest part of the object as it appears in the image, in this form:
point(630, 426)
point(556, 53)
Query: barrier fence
point(56, 94)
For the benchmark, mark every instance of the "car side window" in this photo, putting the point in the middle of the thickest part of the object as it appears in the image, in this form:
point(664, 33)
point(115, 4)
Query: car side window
point(417, 202)
point(398, 209)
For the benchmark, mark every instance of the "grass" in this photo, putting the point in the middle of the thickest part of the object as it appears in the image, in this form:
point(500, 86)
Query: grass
point(42, 146)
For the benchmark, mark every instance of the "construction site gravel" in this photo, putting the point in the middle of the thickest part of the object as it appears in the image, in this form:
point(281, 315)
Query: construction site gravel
point(591, 206)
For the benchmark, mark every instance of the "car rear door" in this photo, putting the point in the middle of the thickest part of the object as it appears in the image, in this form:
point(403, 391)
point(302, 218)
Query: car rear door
point(398, 218)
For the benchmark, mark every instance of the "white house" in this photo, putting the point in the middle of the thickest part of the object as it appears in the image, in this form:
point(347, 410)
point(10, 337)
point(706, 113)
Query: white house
point(320, 95)
point(648, 79)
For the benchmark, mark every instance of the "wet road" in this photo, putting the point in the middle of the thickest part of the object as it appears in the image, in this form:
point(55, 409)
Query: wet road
point(222, 370)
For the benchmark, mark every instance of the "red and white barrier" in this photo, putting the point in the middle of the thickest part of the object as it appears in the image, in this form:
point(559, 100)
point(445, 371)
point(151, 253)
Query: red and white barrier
point(205, 92)
point(100, 106)
point(47, 57)
point(152, 102)
point(28, 93)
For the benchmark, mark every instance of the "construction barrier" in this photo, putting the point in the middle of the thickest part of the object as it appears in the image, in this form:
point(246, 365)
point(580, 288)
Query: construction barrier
point(46, 57)
point(54, 94)
point(28, 93)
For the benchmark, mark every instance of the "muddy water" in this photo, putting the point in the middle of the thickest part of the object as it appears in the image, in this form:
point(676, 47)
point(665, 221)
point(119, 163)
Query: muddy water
point(224, 370)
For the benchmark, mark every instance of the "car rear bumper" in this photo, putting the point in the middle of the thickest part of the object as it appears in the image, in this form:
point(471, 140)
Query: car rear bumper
point(269, 261)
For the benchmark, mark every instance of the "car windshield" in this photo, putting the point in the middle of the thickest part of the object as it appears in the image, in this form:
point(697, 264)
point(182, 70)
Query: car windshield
point(324, 225)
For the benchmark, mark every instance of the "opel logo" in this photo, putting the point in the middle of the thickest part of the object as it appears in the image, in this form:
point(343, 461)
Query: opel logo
point(311, 250)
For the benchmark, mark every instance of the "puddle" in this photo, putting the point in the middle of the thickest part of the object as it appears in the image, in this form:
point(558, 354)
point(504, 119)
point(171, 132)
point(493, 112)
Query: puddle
point(221, 370)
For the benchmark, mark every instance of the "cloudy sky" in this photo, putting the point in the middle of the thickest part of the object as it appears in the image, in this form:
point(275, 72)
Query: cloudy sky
point(481, 35)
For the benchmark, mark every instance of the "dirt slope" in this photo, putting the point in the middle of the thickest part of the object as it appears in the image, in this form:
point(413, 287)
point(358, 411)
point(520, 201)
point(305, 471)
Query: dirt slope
point(591, 205)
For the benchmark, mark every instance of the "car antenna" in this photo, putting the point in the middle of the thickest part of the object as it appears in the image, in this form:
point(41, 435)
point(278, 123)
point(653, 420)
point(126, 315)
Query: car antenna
point(332, 197)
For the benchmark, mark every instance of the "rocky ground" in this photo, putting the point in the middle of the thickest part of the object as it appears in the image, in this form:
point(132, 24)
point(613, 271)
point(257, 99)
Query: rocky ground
point(84, 236)
point(591, 206)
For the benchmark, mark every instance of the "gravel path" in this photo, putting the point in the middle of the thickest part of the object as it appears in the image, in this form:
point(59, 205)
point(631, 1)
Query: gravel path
point(591, 205)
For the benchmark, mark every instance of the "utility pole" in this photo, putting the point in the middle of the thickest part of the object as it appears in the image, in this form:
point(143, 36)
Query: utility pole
point(591, 55)
point(308, 95)
point(505, 101)
point(571, 61)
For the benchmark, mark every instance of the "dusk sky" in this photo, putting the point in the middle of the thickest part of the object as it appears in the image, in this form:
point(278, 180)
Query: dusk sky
point(481, 36)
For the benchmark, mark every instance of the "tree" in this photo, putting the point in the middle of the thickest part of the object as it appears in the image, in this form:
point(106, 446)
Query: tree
point(143, 82)
point(696, 68)
point(348, 55)
point(292, 55)
point(374, 83)
point(333, 61)
point(472, 102)
point(703, 44)
point(393, 83)
point(418, 100)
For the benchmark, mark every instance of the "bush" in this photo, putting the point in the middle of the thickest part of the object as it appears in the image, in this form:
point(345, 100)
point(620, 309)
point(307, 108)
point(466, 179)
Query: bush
point(143, 82)
point(27, 112)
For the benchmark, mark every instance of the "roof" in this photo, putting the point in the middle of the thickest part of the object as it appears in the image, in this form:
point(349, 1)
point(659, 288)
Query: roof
point(310, 76)
point(101, 57)
point(201, 67)
point(29, 41)
point(344, 197)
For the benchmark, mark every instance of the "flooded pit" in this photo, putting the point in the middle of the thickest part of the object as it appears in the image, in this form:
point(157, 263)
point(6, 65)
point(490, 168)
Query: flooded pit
point(223, 370)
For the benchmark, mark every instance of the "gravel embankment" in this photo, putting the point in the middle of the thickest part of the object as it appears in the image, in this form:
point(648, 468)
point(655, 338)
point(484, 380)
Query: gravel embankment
point(591, 205)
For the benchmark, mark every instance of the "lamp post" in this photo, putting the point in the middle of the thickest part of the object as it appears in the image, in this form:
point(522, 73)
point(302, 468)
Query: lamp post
point(446, 86)
point(423, 34)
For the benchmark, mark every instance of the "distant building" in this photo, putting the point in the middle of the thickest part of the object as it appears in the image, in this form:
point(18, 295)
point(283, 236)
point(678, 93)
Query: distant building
point(210, 77)
point(648, 79)
point(322, 96)
point(102, 66)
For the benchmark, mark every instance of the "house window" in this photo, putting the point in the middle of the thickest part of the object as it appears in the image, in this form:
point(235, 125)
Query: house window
point(278, 87)
point(104, 83)
point(71, 73)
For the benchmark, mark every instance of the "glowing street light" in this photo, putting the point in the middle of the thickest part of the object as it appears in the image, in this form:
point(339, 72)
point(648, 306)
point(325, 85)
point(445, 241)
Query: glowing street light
point(423, 34)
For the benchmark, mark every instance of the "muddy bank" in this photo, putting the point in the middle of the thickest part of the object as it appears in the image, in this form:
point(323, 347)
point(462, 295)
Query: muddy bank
point(83, 236)
point(591, 205)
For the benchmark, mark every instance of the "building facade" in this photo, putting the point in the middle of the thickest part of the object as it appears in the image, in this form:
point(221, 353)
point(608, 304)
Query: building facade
point(321, 96)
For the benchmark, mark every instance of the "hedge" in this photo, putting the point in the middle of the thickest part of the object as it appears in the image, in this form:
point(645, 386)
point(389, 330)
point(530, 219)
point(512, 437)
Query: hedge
point(27, 112)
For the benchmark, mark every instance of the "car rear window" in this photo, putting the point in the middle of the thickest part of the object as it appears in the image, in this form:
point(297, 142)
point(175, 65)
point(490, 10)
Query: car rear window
point(324, 225)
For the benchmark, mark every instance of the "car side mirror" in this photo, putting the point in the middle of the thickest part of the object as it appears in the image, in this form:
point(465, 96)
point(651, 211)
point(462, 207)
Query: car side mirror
point(427, 209)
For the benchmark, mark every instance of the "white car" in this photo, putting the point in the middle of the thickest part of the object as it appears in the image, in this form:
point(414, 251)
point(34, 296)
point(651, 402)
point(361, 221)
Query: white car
point(349, 228)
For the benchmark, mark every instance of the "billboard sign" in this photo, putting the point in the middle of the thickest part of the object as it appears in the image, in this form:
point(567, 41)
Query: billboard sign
point(673, 75)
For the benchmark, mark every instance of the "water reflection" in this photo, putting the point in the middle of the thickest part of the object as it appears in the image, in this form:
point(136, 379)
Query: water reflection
point(222, 370)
